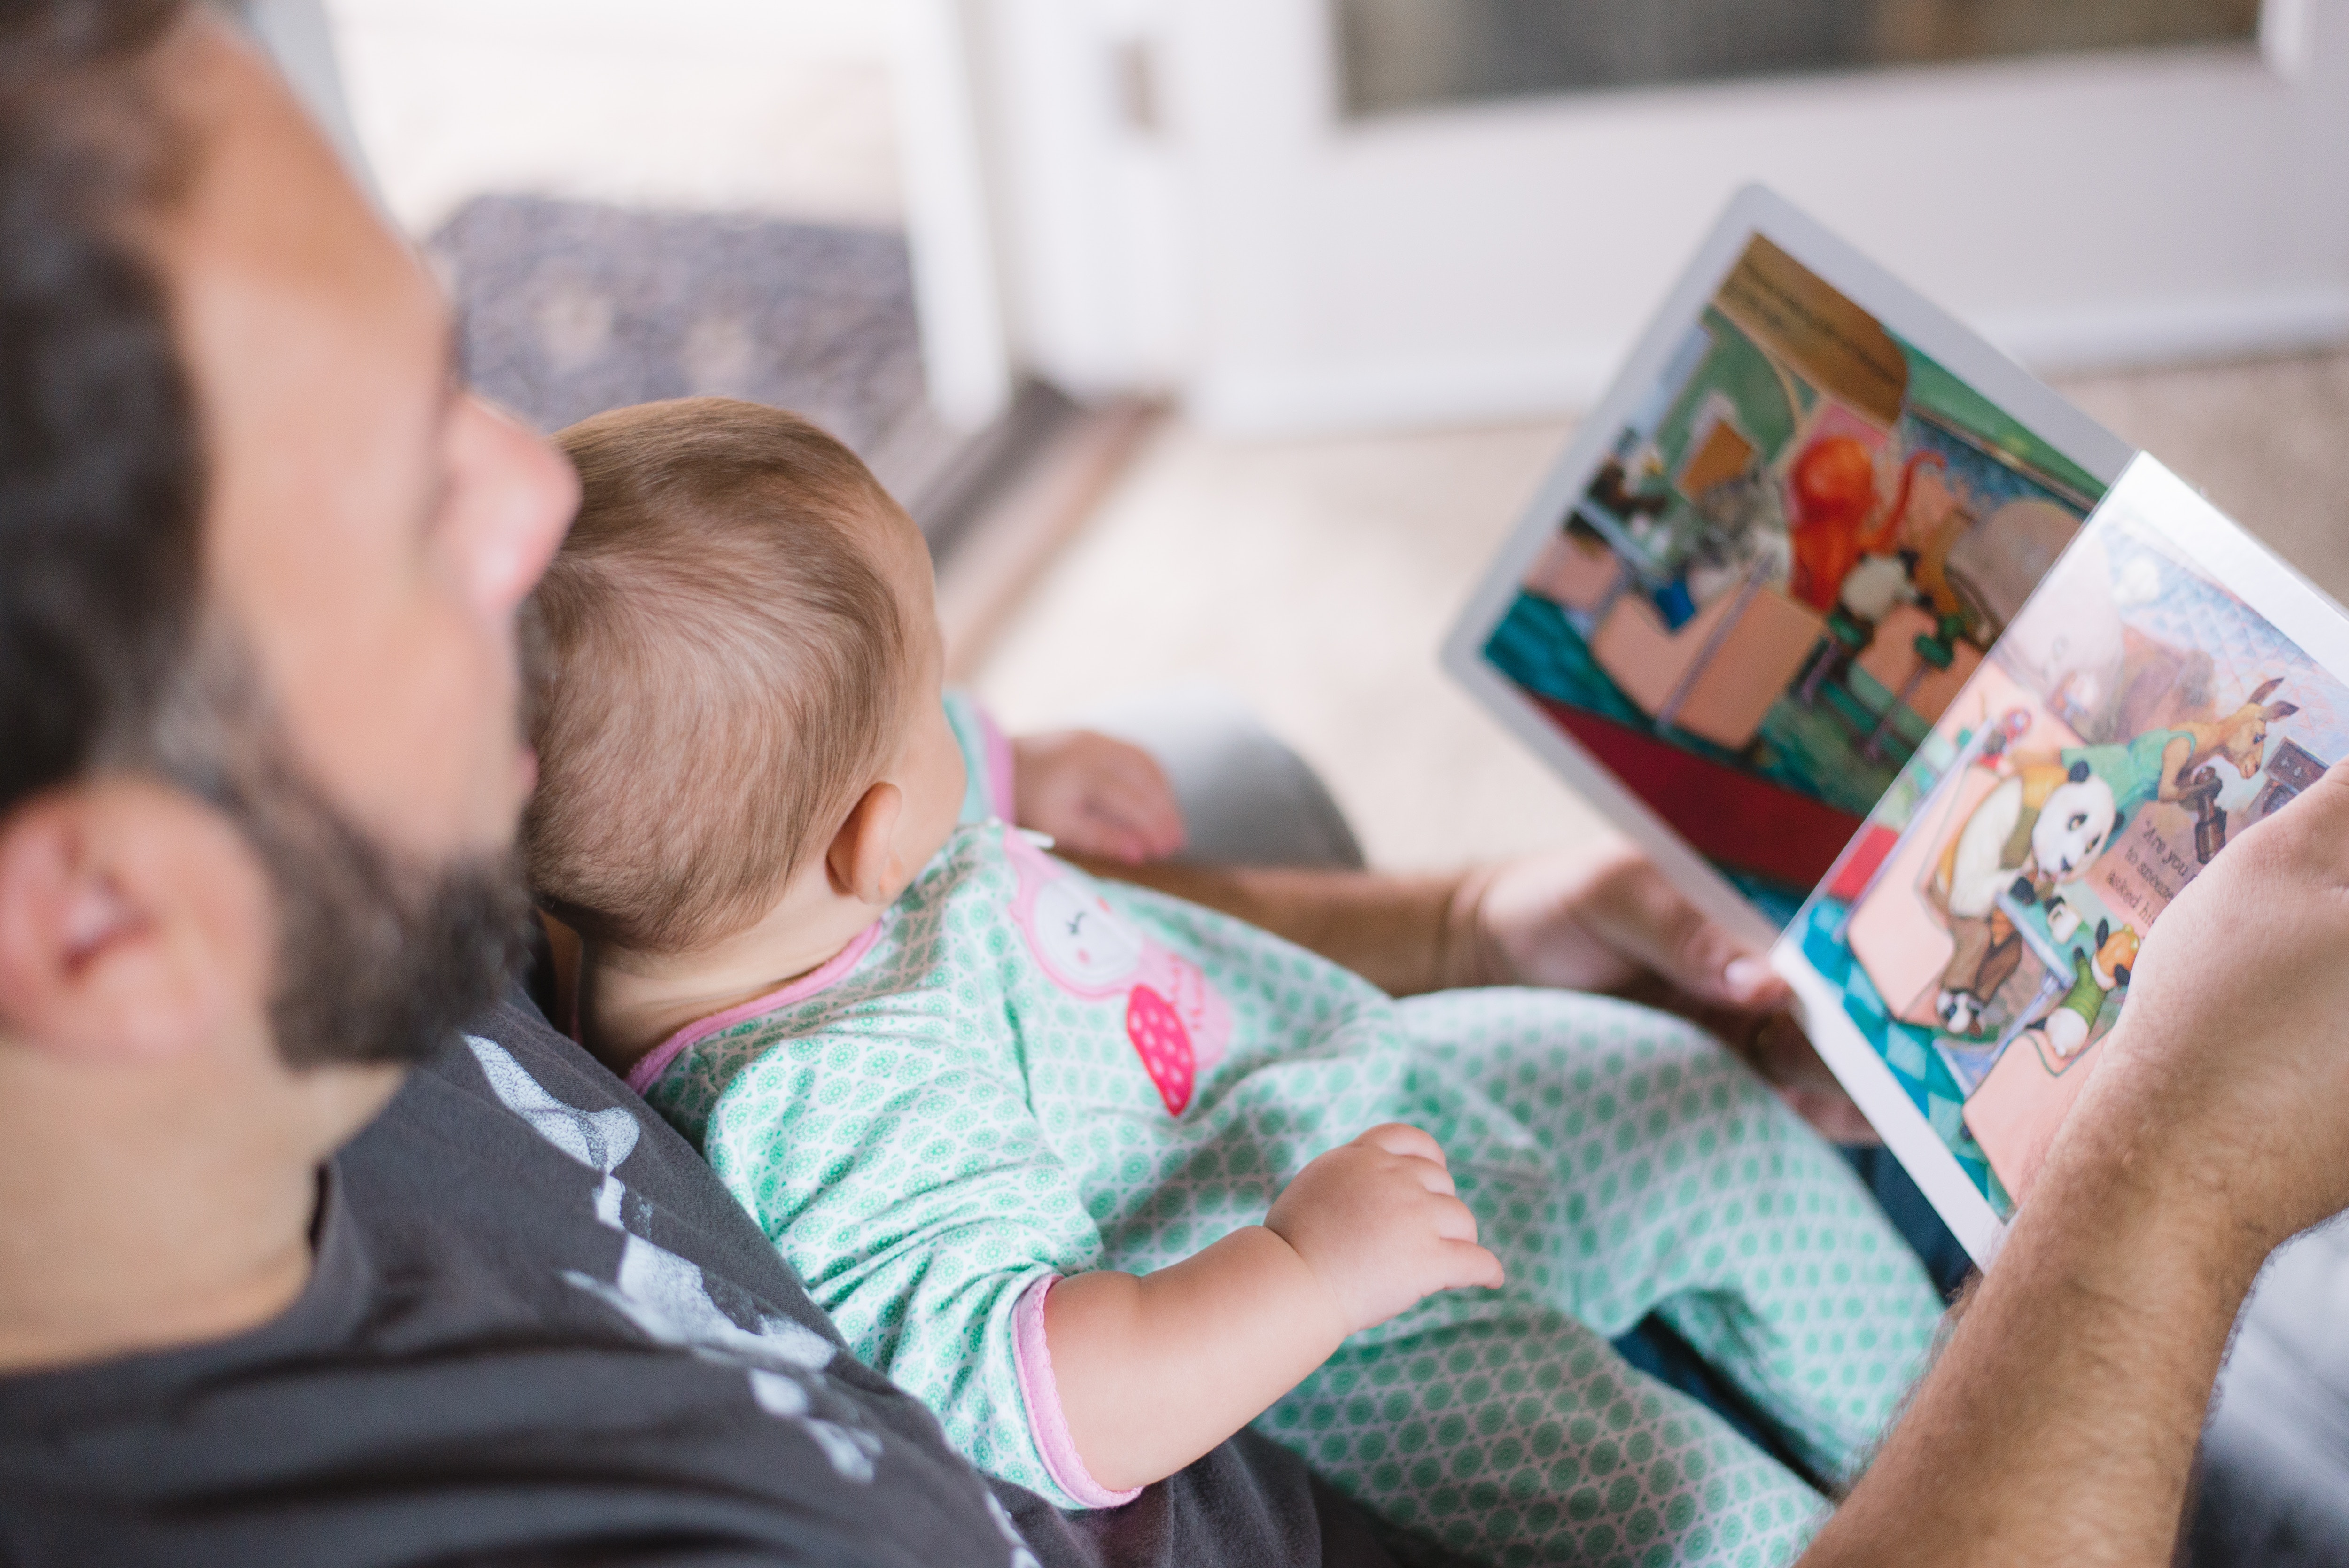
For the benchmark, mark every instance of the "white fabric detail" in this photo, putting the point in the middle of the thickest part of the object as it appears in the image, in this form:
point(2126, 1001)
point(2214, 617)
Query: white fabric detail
point(664, 1296)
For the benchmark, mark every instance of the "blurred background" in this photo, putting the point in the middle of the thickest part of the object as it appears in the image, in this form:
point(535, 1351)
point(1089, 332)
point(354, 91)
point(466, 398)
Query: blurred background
point(1227, 338)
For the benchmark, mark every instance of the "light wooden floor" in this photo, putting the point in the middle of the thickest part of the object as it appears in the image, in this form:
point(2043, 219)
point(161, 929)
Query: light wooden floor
point(1316, 578)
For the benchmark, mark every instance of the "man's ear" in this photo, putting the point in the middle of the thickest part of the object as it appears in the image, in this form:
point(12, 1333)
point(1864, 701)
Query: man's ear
point(133, 922)
point(862, 860)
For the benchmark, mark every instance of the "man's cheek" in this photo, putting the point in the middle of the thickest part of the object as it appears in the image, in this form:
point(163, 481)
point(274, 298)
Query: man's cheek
point(440, 761)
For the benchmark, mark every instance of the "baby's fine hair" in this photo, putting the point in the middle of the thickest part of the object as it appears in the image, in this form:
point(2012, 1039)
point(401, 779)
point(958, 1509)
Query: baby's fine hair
point(718, 669)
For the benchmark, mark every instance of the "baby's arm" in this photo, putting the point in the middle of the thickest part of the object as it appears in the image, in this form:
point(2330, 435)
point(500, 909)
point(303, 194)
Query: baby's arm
point(1154, 1371)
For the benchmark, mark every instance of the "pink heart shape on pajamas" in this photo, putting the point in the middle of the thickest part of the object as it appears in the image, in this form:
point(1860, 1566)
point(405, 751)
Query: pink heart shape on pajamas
point(1164, 1045)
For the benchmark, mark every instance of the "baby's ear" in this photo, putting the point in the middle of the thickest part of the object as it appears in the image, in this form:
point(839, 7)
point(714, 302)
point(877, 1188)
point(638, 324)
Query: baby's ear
point(859, 861)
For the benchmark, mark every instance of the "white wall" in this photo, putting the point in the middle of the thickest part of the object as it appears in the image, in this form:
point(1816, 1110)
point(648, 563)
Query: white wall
point(770, 105)
point(1282, 269)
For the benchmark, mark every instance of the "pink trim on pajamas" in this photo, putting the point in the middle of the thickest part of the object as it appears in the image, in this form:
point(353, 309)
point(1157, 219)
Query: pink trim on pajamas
point(998, 762)
point(1046, 1419)
point(648, 1072)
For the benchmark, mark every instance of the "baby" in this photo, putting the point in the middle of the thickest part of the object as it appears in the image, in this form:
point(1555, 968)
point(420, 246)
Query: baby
point(1103, 1176)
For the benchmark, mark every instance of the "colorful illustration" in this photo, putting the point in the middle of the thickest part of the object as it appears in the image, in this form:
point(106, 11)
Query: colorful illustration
point(1783, 573)
point(1982, 928)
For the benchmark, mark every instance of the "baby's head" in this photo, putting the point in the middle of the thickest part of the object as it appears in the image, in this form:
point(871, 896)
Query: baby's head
point(738, 718)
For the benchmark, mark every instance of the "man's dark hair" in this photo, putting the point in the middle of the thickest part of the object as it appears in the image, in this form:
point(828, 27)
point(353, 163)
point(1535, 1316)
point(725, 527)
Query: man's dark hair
point(109, 657)
point(101, 468)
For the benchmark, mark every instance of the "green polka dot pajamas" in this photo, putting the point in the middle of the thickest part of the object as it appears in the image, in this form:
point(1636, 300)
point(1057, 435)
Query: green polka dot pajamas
point(1019, 1074)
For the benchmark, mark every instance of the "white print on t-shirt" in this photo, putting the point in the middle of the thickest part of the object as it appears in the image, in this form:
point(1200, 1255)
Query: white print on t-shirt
point(665, 1295)
point(1020, 1556)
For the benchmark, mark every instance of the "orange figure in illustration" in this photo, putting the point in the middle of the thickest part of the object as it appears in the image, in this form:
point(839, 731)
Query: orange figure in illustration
point(1835, 496)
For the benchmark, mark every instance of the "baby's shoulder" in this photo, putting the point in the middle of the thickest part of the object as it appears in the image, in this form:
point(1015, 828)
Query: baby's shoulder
point(909, 975)
point(954, 915)
point(974, 866)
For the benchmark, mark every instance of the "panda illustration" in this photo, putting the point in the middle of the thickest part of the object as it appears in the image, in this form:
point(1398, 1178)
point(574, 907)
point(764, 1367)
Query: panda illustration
point(2044, 827)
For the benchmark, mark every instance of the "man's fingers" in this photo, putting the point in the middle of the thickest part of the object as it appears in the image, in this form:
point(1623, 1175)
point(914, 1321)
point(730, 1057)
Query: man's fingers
point(1782, 1053)
point(1657, 926)
point(1711, 964)
point(1783, 1056)
point(1785, 1059)
point(1832, 1114)
point(1748, 981)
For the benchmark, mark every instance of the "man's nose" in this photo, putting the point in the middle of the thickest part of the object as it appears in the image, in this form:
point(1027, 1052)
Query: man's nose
point(527, 495)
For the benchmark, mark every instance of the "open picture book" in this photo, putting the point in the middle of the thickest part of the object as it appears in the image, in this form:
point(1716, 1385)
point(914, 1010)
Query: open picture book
point(1903, 668)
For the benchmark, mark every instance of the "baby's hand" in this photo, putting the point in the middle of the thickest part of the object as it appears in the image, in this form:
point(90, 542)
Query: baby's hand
point(1377, 1221)
point(1095, 796)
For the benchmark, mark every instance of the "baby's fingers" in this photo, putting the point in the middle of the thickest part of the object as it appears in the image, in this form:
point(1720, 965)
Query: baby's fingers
point(1141, 841)
point(1135, 793)
point(1466, 1263)
point(1435, 1178)
point(1403, 1138)
point(1097, 832)
point(1455, 1221)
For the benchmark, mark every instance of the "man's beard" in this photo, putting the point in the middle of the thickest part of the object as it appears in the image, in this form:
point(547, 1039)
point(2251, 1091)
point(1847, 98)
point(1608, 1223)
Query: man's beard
point(378, 959)
point(380, 955)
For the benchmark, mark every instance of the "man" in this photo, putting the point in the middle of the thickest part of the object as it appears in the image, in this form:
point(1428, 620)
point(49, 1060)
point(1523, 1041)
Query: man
point(257, 678)
point(259, 559)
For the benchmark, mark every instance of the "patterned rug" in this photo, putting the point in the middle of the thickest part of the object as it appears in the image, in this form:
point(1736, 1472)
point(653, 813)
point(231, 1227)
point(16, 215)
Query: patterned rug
point(567, 308)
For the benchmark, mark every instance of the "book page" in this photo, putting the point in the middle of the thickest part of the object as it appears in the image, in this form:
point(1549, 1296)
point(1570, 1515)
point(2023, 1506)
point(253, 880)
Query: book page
point(2167, 687)
point(1772, 560)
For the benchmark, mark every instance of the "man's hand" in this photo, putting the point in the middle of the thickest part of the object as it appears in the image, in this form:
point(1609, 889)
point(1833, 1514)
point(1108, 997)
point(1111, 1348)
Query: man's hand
point(2059, 1424)
point(2230, 1067)
point(1377, 1222)
point(1615, 925)
point(1095, 796)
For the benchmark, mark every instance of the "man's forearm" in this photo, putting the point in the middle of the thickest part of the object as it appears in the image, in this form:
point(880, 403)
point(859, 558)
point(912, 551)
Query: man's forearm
point(2059, 1425)
point(1404, 933)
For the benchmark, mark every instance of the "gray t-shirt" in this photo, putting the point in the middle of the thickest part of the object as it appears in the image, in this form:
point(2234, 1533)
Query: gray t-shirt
point(540, 1332)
